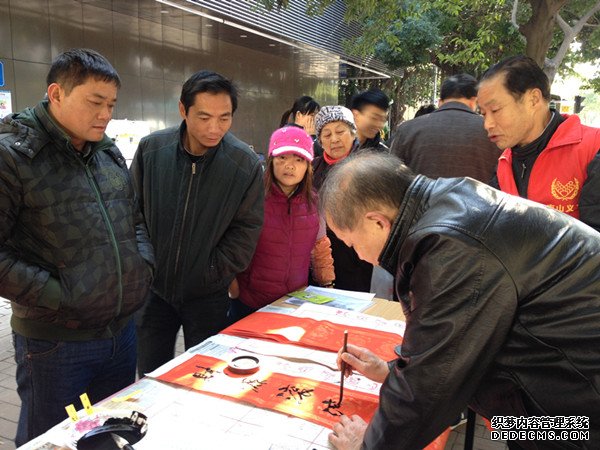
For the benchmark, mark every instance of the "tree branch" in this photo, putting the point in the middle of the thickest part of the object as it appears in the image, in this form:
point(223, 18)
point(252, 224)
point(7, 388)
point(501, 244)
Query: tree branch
point(563, 24)
point(513, 16)
point(513, 20)
point(588, 16)
point(570, 34)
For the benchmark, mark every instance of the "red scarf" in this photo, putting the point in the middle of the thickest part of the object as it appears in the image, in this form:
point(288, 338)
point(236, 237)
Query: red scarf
point(329, 160)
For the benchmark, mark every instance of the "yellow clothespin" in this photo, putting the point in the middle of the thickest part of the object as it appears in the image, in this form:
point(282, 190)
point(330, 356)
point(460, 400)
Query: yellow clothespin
point(72, 412)
point(85, 401)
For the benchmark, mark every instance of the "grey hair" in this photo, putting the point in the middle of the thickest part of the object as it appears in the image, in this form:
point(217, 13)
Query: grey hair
point(363, 182)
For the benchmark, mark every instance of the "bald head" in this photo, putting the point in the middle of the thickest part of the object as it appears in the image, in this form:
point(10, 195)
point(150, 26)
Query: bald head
point(364, 182)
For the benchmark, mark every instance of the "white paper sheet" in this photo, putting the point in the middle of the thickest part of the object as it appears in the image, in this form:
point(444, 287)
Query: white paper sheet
point(353, 318)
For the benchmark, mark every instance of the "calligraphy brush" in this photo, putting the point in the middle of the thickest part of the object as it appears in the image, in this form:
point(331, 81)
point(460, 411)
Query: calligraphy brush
point(343, 368)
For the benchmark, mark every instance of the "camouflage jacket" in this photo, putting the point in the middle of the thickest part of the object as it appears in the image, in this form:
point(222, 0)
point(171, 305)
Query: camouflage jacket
point(74, 251)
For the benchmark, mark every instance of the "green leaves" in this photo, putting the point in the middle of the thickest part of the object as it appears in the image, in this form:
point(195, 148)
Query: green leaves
point(455, 35)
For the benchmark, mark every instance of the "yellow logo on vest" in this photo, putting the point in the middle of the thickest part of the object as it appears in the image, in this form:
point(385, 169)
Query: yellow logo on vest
point(566, 191)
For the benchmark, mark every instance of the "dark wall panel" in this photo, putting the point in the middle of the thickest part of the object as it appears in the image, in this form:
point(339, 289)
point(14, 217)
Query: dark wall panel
point(30, 28)
point(151, 55)
point(155, 53)
point(5, 31)
point(153, 102)
point(129, 102)
point(173, 54)
point(126, 44)
point(209, 58)
point(31, 83)
point(66, 26)
point(98, 30)
point(172, 95)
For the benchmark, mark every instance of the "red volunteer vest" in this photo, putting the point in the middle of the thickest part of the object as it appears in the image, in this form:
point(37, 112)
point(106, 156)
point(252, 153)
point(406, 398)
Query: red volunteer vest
point(560, 170)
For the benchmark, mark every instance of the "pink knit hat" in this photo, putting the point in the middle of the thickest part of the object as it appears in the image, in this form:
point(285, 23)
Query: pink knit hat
point(292, 140)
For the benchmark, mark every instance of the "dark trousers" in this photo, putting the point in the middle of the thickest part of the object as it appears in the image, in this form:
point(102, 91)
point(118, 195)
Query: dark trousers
point(351, 272)
point(158, 324)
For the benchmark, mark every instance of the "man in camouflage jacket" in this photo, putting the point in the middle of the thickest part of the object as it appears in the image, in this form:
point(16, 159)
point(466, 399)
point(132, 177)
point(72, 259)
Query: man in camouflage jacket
point(75, 259)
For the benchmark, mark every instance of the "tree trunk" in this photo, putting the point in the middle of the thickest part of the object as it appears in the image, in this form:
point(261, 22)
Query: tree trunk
point(539, 29)
point(398, 107)
point(394, 86)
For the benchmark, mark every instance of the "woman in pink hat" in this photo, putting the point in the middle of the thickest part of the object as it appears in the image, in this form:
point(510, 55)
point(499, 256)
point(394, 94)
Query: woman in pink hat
point(293, 238)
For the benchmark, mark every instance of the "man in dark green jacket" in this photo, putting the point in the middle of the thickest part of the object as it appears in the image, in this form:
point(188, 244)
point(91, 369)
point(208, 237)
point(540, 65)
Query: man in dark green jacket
point(74, 251)
point(202, 195)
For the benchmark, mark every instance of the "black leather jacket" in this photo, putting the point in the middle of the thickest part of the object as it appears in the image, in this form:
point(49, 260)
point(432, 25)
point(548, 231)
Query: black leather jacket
point(502, 300)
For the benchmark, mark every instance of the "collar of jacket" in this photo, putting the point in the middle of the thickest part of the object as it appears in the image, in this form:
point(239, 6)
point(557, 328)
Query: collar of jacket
point(410, 210)
point(451, 105)
point(210, 153)
point(276, 191)
point(374, 142)
point(52, 128)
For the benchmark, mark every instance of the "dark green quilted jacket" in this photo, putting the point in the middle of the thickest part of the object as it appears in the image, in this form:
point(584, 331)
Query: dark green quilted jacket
point(74, 251)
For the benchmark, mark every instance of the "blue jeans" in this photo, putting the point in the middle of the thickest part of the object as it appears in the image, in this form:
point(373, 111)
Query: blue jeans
point(53, 374)
point(159, 322)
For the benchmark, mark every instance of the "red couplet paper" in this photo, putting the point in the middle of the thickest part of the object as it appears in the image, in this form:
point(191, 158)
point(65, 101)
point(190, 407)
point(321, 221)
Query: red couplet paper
point(317, 334)
point(301, 397)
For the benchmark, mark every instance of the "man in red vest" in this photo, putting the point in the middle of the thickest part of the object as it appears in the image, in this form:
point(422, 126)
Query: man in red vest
point(549, 158)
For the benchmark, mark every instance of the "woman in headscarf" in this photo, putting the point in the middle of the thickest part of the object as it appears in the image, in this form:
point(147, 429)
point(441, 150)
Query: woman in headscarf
point(336, 132)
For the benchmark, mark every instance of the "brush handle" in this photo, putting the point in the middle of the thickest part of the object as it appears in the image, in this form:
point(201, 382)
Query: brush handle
point(343, 368)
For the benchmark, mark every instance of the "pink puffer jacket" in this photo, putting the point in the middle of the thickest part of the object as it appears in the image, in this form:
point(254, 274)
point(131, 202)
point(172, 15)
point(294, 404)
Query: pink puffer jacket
point(283, 254)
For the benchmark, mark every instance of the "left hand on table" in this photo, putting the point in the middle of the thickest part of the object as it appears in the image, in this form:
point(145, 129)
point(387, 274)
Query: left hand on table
point(348, 433)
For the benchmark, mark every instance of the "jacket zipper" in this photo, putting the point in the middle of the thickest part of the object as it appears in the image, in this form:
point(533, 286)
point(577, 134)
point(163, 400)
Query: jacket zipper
point(290, 226)
point(185, 208)
point(111, 233)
